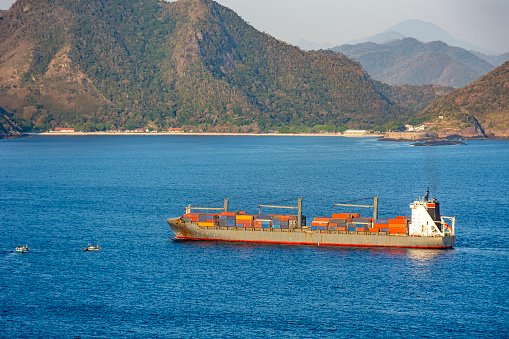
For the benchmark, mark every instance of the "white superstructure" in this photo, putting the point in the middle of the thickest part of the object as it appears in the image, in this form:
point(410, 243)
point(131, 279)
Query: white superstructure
point(427, 221)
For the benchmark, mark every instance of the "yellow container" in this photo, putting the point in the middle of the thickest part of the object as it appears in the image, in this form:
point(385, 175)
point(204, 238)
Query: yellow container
point(244, 217)
point(206, 224)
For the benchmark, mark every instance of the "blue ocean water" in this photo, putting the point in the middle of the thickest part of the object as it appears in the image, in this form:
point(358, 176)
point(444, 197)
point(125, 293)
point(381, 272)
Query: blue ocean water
point(59, 193)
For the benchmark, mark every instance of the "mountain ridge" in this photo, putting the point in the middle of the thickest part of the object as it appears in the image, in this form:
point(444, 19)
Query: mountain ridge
point(112, 64)
point(421, 30)
point(409, 61)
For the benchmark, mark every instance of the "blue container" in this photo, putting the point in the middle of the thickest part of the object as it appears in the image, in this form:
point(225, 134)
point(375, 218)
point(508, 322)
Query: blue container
point(265, 226)
point(276, 226)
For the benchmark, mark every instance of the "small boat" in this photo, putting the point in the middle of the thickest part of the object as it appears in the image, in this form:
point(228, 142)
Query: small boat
point(22, 249)
point(92, 248)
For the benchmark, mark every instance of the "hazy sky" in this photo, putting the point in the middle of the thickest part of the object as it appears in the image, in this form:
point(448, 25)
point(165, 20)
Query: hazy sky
point(483, 23)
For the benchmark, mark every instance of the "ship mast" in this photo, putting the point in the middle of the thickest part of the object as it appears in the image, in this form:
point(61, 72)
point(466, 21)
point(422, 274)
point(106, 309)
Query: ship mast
point(190, 208)
point(374, 206)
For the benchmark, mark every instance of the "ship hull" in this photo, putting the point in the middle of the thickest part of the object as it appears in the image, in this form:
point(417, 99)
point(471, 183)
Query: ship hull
point(191, 231)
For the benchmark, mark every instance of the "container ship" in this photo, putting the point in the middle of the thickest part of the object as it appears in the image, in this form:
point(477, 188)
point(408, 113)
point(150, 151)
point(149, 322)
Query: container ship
point(426, 228)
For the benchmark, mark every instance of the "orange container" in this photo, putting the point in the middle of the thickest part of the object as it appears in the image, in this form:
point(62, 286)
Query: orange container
point(257, 224)
point(322, 219)
point(401, 217)
point(341, 216)
point(227, 214)
point(374, 229)
point(319, 223)
point(397, 221)
point(341, 228)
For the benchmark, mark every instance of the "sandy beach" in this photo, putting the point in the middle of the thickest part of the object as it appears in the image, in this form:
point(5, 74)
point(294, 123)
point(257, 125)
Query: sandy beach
point(367, 135)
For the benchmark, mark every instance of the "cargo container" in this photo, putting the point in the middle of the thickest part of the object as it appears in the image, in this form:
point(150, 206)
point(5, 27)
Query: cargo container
point(227, 214)
point(340, 221)
point(206, 224)
point(244, 217)
point(319, 228)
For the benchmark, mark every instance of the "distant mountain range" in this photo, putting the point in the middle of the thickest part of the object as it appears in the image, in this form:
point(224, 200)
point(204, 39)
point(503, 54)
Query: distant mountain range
point(421, 30)
point(495, 60)
point(409, 61)
point(125, 64)
point(481, 108)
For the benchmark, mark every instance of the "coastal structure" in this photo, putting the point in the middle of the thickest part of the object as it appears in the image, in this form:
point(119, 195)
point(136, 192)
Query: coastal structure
point(426, 228)
point(63, 130)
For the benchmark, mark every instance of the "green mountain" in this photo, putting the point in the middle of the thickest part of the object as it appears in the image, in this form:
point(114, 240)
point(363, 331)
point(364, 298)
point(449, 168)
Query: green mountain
point(481, 108)
point(108, 64)
point(409, 61)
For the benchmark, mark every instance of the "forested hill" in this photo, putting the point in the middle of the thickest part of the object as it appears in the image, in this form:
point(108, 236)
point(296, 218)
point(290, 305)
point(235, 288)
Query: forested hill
point(480, 108)
point(108, 64)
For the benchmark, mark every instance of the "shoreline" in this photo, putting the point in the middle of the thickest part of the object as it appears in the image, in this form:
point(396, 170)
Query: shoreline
point(208, 134)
